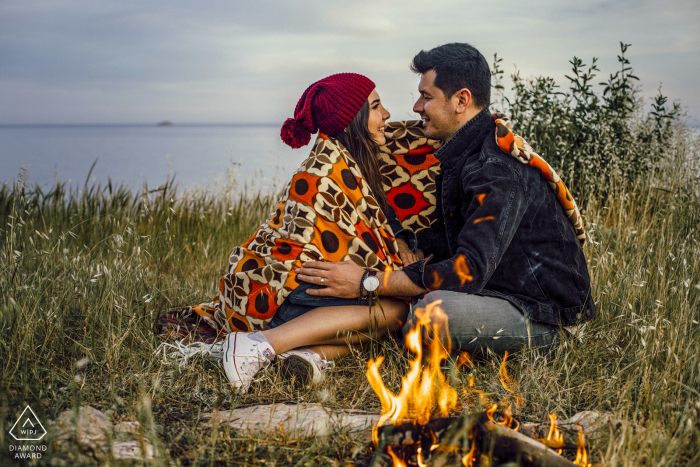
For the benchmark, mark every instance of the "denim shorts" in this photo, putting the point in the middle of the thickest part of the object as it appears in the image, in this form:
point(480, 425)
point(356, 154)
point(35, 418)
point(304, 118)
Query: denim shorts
point(299, 302)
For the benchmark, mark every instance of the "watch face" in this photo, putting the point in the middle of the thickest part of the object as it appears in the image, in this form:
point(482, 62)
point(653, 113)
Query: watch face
point(371, 284)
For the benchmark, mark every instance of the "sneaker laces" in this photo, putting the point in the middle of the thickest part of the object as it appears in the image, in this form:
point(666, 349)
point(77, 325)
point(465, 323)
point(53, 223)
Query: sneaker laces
point(180, 353)
point(326, 365)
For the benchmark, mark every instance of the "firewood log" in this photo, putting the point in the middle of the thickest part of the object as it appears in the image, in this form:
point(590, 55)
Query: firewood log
point(445, 441)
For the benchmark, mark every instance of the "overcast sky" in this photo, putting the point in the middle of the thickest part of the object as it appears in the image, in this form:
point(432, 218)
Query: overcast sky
point(97, 61)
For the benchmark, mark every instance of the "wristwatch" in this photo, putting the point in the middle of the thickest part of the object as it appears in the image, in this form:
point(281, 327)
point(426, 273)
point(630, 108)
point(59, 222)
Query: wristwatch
point(370, 283)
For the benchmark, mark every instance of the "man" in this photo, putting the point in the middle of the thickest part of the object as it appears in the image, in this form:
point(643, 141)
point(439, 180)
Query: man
point(502, 255)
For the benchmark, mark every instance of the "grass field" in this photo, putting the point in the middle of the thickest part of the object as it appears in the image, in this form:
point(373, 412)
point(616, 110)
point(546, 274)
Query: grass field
point(85, 275)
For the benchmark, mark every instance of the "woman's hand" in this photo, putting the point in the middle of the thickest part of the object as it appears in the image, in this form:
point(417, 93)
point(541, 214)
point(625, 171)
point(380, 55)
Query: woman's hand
point(341, 279)
point(406, 255)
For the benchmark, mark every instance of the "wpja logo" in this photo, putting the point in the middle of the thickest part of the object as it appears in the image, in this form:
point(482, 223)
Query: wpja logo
point(28, 428)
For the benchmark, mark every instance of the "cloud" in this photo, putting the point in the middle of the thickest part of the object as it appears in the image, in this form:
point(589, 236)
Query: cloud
point(70, 60)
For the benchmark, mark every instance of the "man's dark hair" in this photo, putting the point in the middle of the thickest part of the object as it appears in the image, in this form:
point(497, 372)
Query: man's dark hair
point(457, 65)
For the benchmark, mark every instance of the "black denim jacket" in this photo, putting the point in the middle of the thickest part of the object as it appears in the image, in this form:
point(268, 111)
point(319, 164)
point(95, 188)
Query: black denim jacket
point(501, 232)
point(408, 235)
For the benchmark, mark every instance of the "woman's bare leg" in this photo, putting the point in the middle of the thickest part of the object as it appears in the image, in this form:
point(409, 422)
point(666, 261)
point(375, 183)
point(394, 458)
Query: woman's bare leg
point(331, 325)
point(331, 352)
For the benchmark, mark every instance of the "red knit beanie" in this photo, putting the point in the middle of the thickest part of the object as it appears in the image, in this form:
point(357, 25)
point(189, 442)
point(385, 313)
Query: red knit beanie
point(328, 105)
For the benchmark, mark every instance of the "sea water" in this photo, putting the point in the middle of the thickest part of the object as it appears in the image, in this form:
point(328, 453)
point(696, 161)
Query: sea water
point(193, 155)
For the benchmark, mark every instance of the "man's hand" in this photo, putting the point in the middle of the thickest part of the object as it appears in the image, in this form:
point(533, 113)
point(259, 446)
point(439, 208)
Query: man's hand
point(406, 255)
point(341, 279)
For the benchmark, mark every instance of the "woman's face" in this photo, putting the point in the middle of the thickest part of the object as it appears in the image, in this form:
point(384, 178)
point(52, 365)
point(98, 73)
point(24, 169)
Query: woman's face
point(378, 116)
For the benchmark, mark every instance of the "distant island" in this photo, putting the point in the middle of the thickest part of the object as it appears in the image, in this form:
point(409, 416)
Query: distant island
point(165, 123)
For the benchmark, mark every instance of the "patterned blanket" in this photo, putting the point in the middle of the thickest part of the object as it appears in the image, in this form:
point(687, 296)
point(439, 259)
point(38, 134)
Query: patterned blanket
point(327, 212)
point(518, 148)
point(409, 170)
point(408, 166)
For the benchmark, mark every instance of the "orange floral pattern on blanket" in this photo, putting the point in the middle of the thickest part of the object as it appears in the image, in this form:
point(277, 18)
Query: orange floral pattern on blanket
point(408, 166)
point(518, 148)
point(409, 169)
point(326, 213)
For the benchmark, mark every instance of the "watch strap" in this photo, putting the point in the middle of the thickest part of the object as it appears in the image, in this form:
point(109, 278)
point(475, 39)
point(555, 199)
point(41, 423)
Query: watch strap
point(362, 283)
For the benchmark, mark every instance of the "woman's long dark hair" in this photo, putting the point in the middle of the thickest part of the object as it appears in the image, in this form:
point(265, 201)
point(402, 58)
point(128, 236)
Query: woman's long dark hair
point(364, 150)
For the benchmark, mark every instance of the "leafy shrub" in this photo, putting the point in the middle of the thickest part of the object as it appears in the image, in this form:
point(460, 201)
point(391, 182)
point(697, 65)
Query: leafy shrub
point(595, 140)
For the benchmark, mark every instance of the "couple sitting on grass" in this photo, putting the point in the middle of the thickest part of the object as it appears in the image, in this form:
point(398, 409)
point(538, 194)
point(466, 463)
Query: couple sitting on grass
point(454, 207)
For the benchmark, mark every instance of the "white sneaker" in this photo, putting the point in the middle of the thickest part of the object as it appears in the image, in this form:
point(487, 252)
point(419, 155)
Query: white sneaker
point(305, 365)
point(245, 354)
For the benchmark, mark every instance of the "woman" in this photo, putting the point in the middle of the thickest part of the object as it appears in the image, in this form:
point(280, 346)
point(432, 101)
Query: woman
point(333, 209)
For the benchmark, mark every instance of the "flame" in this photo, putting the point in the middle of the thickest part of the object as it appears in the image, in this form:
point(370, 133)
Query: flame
point(483, 398)
point(424, 388)
point(470, 457)
point(471, 385)
point(491, 411)
point(397, 461)
point(462, 270)
point(387, 271)
point(425, 391)
point(419, 457)
point(554, 433)
point(581, 454)
point(435, 445)
point(507, 381)
point(437, 281)
point(465, 359)
point(487, 218)
point(507, 421)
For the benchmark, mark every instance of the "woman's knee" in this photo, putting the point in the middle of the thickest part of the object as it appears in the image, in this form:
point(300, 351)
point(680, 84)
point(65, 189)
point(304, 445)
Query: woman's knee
point(395, 312)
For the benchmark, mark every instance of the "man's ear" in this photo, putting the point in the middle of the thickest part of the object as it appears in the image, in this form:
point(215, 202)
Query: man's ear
point(463, 99)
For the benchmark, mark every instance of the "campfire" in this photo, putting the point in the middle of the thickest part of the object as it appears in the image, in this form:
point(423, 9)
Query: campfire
point(419, 426)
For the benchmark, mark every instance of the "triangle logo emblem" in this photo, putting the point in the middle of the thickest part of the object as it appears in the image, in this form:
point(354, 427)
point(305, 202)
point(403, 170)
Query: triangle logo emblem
point(28, 427)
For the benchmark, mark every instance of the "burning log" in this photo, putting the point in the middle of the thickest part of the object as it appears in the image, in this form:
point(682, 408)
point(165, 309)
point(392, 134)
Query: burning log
point(407, 434)
point(474, 441)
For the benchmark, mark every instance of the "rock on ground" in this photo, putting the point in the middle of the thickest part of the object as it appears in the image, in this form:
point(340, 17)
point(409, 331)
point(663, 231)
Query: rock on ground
point(91, 437)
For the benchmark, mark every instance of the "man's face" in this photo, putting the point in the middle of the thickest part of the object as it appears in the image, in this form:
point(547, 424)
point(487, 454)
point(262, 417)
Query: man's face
point(437, 112)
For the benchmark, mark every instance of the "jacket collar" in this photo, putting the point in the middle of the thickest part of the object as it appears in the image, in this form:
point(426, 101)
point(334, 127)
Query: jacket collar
point(464, 138)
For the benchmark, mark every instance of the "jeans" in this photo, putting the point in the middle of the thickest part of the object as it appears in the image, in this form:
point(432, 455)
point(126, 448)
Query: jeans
point(476, 323)
point(299, 302)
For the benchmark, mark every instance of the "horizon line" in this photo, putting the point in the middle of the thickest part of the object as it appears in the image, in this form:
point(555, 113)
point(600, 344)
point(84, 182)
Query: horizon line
point(140, 124)
point(166, 124)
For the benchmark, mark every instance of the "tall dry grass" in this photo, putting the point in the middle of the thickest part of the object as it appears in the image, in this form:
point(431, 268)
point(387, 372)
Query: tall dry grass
point(85, 273)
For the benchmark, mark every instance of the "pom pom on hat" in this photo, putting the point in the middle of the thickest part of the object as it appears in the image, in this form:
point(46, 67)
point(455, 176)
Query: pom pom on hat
point(328, 105)
point(294, 135)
